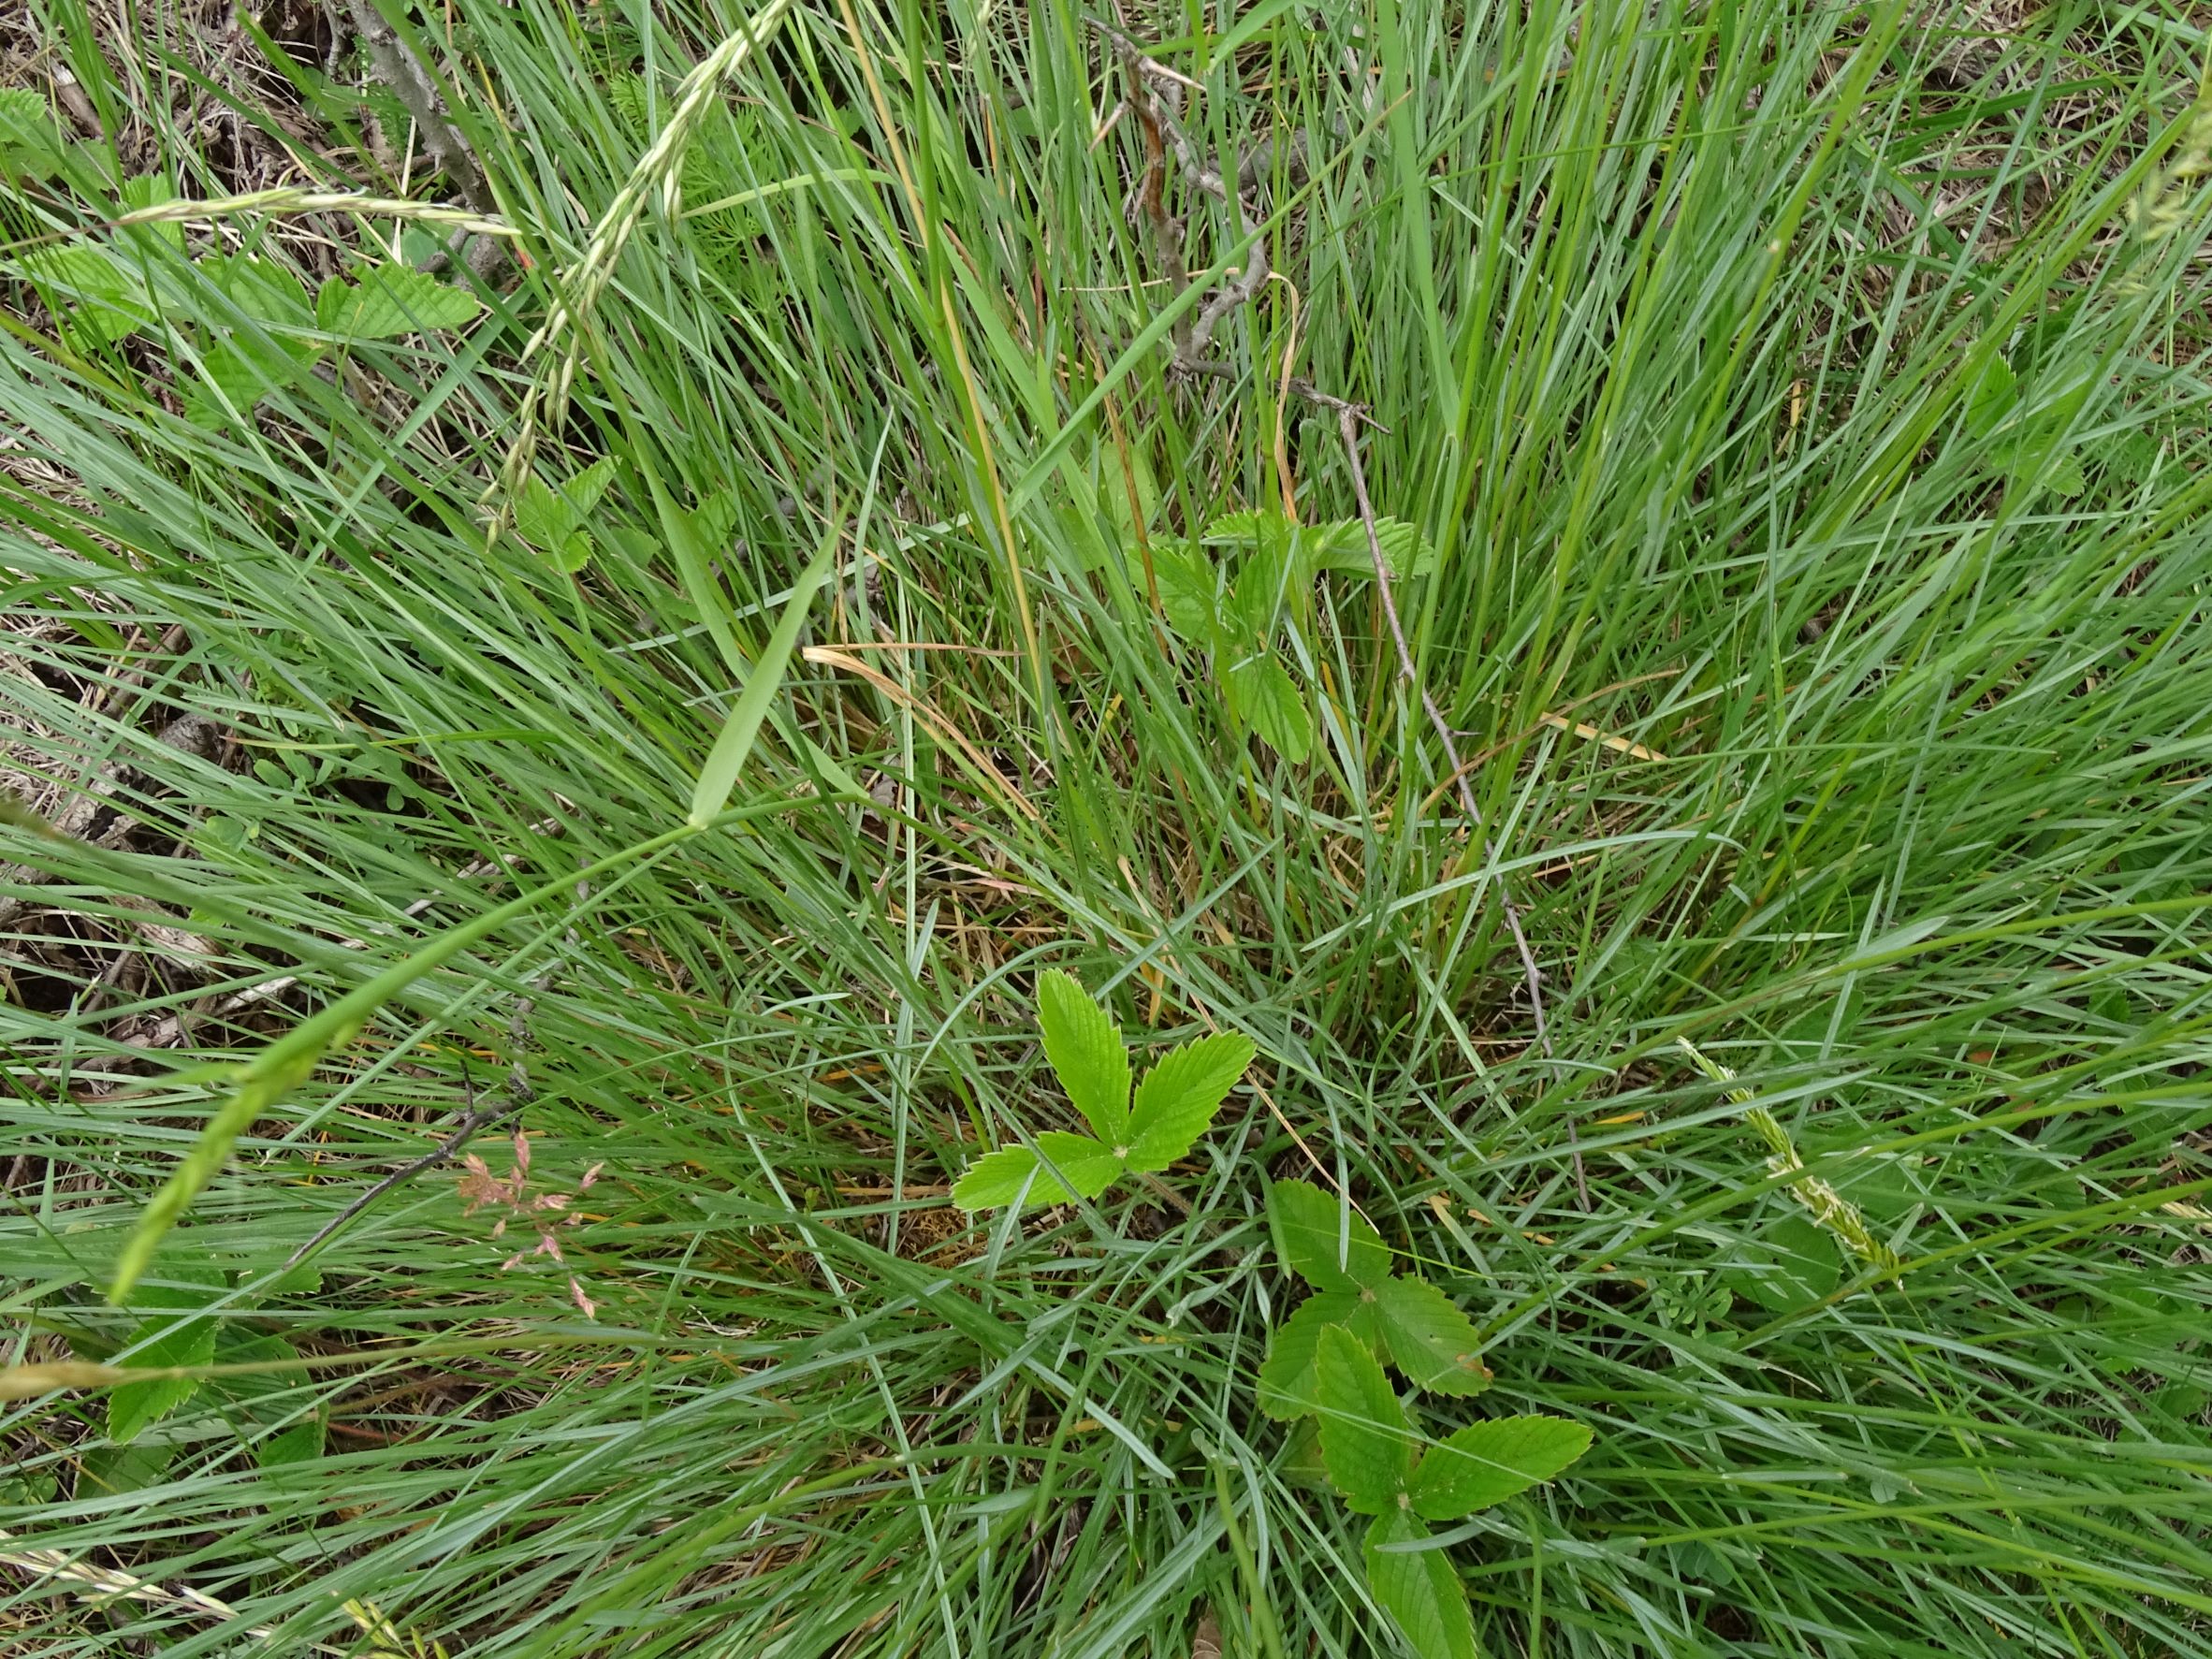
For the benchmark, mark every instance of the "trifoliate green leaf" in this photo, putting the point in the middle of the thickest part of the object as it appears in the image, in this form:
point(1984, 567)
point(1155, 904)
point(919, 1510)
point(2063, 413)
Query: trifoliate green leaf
point(170, 1341)
point(263, 289)
point(1486, 1464)
point(1179, 1096)
point(117, 1468)
point(714, 520)
point(238, 1346)
point(549, 517)
point(1786, 1266)
point(1418, 1589)
point(1269, 587)
point(1300, 1464)
point(1189, 589)
point(96, 298)
point(1325, 1242)
point(298, 1443)
point(1087, 1051)
point(1430, 1340)
point(543, 516)
point(1994, 397)
point(1340, 544)
point(1244, 529)
point(1001, 1177)
point(1365, 1440)
point(1343, 548)
point(998, 1178)
point(30, 145)
point(2065, 478)
point(1088, 1167)
point(151, 190)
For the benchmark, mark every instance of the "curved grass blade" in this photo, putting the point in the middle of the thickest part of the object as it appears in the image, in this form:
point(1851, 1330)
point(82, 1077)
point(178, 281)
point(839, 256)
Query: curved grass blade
point(719, 775)
point(291, 1059)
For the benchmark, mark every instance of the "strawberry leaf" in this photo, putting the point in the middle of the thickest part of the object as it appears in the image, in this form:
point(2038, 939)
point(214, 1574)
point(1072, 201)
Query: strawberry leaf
point(1286, 1385)
point(1266, 698)
point(1430, 1340)
point(1180, 1095)
point(132, 1405)
point(1189, 589)
point(1014, 1174)
point(1418, 1589)
point(1485, 1464)
point(391, 301)
point(1085, 1048)
point(998, 1178)
point(1365, 1439)
point(1082, 1161)
point(1327, 1244)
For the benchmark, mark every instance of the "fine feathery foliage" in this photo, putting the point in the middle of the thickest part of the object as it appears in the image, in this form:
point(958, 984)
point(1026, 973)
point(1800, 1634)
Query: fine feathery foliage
point(653, 637)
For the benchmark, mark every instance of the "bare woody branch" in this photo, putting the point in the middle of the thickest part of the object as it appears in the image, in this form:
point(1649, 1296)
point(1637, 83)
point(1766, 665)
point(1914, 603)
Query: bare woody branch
point(1153, 90)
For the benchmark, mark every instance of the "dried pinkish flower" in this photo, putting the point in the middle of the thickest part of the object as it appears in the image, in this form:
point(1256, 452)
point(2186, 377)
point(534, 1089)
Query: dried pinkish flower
point(545, 1213)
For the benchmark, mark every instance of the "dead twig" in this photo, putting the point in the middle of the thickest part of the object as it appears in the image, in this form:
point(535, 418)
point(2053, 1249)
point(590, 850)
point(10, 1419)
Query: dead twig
point(1153, 89)
point(475, 1118)
point(394, 63)
point(1234, 296)
point(410, 81)
point(1149, 199)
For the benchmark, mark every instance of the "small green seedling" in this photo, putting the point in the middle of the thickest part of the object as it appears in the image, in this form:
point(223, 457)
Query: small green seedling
point(1237, 620)
point(1326, 1362)
point(1174, 1105)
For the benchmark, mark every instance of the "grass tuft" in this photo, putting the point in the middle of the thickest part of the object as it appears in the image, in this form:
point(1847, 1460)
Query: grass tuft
point(1811, 456)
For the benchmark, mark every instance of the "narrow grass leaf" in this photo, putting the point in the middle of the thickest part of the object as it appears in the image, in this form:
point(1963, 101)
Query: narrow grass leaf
point(28, 1382)
point(280, 1068)
point(719, 775)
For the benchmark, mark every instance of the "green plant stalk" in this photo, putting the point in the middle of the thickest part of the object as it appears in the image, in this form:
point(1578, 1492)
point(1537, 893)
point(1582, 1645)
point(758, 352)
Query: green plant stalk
point(1263, 1610)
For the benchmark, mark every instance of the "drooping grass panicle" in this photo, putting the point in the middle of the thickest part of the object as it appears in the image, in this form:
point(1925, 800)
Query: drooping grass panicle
point(2161, 207)
point(545, 403)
